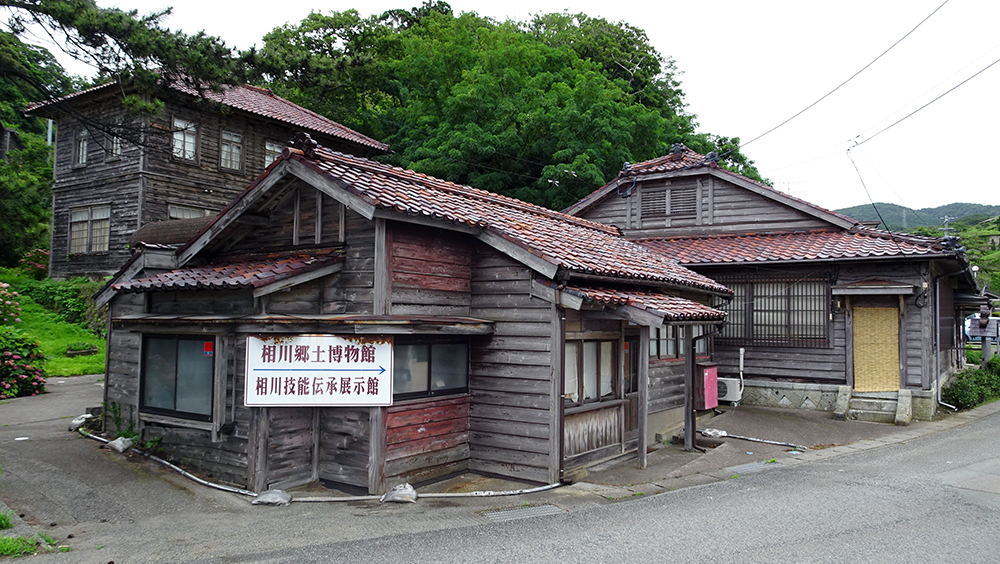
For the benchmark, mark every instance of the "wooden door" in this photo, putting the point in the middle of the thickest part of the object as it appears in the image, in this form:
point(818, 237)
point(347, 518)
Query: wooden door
point(876, 349)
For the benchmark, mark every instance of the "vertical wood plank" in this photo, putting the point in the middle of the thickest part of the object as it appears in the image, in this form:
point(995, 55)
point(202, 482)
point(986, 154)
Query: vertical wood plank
point(319, 218)
point(297, 216)
point(257, 449)
point(221, 375)
point(556, 415)
point(376, 453)
point(382, 269)
point(643, 392)
point(849, 341)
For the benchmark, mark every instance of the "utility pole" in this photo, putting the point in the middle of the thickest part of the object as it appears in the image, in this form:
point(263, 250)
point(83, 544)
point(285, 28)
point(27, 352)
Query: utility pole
point(946, 229)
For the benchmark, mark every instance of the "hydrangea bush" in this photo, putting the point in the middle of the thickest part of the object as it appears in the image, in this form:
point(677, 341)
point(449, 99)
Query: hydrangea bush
point(10, 306)
point(35, 264)
point(22, 362)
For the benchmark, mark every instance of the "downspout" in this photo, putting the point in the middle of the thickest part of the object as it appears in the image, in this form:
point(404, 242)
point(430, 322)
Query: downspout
point(689, 366)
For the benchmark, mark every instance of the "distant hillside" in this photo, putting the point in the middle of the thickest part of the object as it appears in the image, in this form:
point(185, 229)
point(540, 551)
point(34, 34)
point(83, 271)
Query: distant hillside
point(900, 218)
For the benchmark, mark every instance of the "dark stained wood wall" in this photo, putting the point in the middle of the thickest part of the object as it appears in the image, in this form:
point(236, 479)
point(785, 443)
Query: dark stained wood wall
point(344, 444)
point(431, 271)
point(511, 373)
point(722, 208)
point(426, 439)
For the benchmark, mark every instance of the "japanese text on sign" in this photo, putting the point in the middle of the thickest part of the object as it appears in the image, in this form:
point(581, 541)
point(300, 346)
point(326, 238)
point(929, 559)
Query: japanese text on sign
point(318, 370)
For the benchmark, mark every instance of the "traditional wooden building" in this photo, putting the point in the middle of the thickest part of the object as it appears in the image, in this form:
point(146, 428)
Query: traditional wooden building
point(518, 336)
point(822, 302)
point(115, 174)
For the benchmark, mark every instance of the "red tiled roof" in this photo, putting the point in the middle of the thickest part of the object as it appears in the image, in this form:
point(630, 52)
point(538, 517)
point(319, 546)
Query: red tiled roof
point(258, 101)
point(236, 272)
point(578, 245)
point(687, 159)
point(672, 308)
point(799, 246)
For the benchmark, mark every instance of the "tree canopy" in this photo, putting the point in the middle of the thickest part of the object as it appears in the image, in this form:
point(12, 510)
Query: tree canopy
point(545, 110)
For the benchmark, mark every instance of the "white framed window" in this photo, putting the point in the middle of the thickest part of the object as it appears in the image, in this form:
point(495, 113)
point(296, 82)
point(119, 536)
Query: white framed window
point(177, 376)
point(185, 139)
point(589, 372)
point(272, 150)
point(89, 229)
point(80, 148)
point(178, 211)
point(231, 150)
point(116, 147)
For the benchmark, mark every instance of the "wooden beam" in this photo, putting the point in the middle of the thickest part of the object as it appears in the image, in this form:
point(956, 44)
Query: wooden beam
point(520, 254)
point(556, 403)
point(331, 187)
point(296, 280)
point(377, 450)
point(554, 296)
point(426, 221)
point(381, 291)
point(231, 215)
point(643, 393)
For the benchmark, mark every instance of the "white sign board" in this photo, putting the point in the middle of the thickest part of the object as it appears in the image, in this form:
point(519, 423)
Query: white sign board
point(318, 370)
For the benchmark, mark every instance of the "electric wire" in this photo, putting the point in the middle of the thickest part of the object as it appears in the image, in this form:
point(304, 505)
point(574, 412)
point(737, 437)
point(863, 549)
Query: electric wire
point(852, 77)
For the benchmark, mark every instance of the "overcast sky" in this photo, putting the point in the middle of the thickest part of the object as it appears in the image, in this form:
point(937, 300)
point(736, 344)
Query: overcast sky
point(749, 66)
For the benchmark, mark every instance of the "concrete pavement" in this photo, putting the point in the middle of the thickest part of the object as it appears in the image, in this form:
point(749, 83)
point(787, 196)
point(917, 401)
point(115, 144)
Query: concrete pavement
point(104, 506)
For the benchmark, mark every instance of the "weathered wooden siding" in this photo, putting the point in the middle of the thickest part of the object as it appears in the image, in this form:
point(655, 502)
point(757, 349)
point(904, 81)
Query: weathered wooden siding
point(141, 183)
point(290, 446)
point(121, 382)
point(721, 207)
point(510, 376)
point(202, 302)
point(353, 293)
point(823, 365)
point(592, 431)
point(344, 445)
point(426, 439)
point(193, 449)
point(666, 384)
point(430, 271)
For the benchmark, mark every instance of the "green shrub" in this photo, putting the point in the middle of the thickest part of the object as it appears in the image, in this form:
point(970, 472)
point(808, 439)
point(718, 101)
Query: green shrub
point(971, 388)
point(71, 299)
point(10, 305)
point(993, 365)
point(973, 356)
point(22, 364)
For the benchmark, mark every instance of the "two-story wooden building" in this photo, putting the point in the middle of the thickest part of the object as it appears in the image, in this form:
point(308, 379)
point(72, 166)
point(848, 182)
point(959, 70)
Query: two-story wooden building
point(821, 301)
point(517, 336)
point(115, 173)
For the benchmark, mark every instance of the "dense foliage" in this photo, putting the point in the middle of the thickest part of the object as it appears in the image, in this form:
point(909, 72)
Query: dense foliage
point(545, 110)
point(72, 300)
point(902, 218)
point(22, 363)
point(970, 388)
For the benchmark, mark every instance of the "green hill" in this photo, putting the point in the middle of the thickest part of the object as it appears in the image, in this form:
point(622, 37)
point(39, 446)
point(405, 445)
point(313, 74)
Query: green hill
point(901, 218)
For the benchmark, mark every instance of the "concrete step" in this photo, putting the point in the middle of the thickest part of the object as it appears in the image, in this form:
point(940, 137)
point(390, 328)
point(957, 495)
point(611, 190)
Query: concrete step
point(871, 416)
point(873, 404)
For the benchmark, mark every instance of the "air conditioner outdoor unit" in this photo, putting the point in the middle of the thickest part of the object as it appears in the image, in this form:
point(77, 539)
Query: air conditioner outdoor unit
point(729, 389)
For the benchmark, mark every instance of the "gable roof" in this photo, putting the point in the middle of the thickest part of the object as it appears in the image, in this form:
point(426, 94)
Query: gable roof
point(553, 243)
point(857, 243)
point(685, 162)
point(251, 99)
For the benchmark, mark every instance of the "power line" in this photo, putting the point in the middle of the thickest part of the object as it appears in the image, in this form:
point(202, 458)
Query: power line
point(849, 79)
point(949, 91)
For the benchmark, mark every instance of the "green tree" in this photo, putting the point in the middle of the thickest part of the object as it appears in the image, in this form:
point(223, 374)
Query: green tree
point(545, 111)
point(25, 197)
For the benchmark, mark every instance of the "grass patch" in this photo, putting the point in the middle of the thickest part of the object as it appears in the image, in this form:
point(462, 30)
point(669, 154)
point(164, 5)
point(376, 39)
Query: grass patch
point(55, 336)
point(6, 520)
point(17, 546)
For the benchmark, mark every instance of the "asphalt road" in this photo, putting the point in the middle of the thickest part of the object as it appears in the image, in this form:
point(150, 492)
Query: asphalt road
point(932, 499)
point(935, 498)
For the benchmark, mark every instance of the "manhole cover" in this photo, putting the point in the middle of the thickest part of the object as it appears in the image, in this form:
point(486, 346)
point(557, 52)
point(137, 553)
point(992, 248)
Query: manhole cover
point(523, 512)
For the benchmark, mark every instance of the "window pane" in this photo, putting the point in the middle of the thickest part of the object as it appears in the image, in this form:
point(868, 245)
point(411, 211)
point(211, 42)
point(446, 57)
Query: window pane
point(100, 235)
point(449, 366)
point(185, 139)
point(607, 368)
point(159, 373)
point(654, 350)
point(670, 341)
point(194, 377)
point(272, 151)
point(78, 236)
point(231, 153)
point(589, 370)
point(410, 368)
point(572, 370)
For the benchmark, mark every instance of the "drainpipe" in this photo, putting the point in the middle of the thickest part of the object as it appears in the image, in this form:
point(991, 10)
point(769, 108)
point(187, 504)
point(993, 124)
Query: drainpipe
point(689, 367)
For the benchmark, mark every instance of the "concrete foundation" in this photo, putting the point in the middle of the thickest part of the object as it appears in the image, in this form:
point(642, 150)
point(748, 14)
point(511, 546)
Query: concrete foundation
point(791, 395)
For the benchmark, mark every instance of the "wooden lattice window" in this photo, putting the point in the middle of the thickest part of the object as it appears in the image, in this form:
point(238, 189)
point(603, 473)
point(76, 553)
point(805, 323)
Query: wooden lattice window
point(654, 204)
point(793, 312)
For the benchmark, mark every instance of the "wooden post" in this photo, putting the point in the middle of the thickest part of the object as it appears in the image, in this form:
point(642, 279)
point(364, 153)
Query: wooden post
point(643, 393)
point(689, 366)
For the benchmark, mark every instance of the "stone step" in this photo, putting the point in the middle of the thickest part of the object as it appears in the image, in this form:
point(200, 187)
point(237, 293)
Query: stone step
point(873, 404)
point(871, 416)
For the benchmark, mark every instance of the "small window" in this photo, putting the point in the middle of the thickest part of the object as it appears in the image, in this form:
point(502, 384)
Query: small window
point(430, 369)
point(185, 139)
point(589, 372)
point(272, 150)
point(89, 229)
point(116, 147)
point(231, 151)
point(177, 211)
point(177, 376)
point(666, 342)
point(80, 148)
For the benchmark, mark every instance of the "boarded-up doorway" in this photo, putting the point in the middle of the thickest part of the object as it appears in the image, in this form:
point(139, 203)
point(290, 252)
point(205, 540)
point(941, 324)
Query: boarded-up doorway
point(876, 349)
